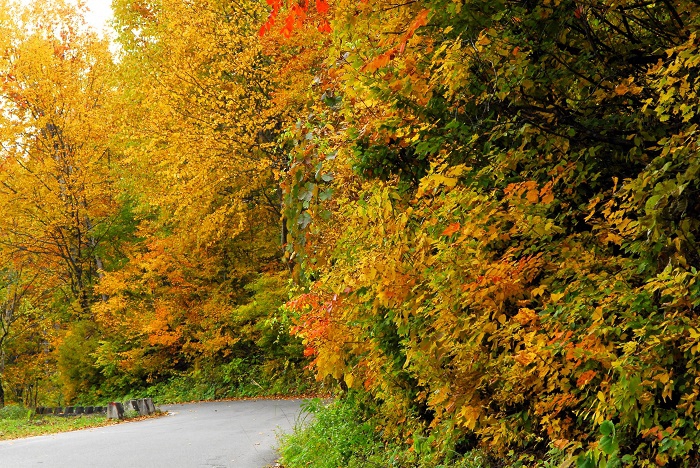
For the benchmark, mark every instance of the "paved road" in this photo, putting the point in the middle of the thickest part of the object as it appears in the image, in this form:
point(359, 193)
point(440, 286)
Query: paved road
point(240, 434)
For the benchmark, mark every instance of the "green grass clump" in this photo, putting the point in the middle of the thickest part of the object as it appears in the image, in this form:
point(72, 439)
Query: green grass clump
point(17, 421)
point(333, 436)
point(14, 412)
point(341, 434)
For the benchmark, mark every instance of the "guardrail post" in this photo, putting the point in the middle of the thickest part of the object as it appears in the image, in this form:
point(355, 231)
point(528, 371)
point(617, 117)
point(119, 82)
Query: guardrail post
point(115, 411)
point(143, 409)
point(131, 405)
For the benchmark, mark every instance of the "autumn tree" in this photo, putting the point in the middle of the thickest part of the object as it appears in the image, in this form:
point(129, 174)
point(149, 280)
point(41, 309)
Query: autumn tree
point(55, 142)
point(198, 134)
point(57, 186)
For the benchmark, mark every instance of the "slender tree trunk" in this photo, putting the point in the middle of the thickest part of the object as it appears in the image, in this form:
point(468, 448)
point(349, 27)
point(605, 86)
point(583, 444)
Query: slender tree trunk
point(92, 242)
point(2, 372)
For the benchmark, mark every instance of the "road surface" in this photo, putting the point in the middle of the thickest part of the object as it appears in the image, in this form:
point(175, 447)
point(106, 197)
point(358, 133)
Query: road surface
point(240, 434)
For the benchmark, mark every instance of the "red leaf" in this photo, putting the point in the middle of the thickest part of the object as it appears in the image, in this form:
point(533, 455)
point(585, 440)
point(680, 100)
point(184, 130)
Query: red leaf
point(289, 24)
point(324, 27)
point(322, 6)
point(266, 26)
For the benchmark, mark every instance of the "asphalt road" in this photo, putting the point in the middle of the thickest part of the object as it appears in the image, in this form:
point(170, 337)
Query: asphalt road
point(240, 434)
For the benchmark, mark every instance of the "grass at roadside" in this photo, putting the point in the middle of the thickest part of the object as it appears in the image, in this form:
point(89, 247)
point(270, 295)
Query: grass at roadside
point(17, 422)
point(41, 425)
point(341, 433)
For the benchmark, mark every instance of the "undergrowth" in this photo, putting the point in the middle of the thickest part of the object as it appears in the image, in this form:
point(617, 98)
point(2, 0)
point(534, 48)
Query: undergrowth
point(234, 381)
point(341, 433)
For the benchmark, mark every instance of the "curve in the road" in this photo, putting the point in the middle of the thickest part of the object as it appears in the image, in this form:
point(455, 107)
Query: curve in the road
point(240, 434)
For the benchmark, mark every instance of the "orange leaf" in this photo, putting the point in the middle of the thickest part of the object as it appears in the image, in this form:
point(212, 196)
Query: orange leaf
point(532, 196)
point(621, 89)
point(421, 20)
point(585, 378)
point(561, 443)
point(379, 62)
point(546, 194)
point(451, 229)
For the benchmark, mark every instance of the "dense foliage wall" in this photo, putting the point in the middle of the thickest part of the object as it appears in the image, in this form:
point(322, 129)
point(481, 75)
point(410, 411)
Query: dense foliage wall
point(495, 207)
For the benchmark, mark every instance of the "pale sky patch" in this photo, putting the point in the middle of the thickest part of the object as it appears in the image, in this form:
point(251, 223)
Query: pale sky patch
point(98, 16)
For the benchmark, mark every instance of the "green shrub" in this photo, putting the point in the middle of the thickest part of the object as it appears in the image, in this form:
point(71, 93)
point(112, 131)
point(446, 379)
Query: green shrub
point(14, 412)
point(342, 434)
point(331, 438)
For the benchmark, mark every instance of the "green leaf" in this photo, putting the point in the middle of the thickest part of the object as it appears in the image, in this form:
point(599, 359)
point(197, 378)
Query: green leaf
point(608, 444)
point(651, 203)
point(304, 220)
point(607, 428)
point(585, 461)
